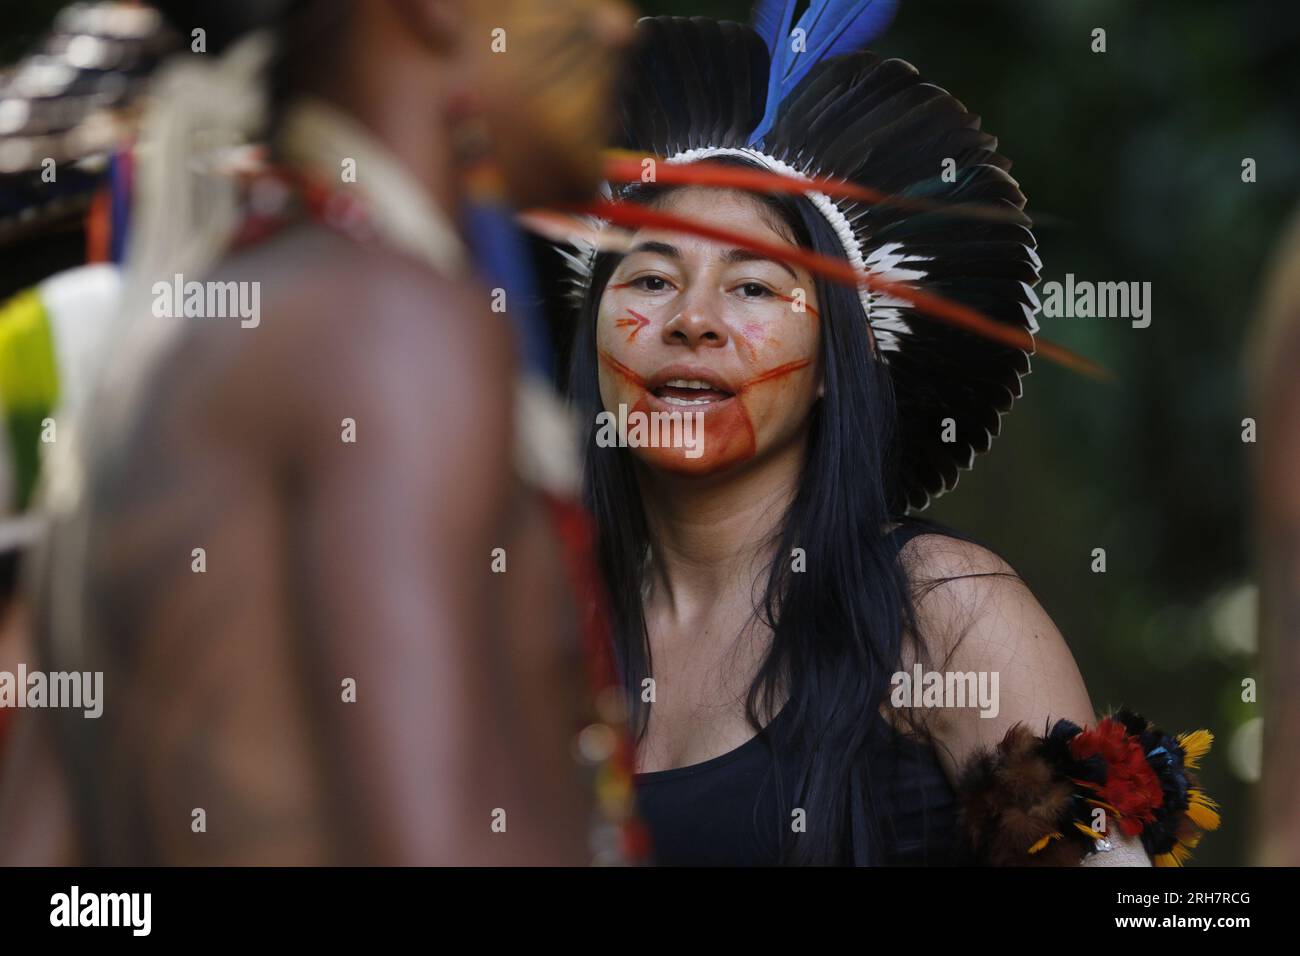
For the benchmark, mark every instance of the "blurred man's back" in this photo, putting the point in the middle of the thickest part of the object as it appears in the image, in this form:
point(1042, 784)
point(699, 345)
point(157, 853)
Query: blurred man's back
point(303, 547)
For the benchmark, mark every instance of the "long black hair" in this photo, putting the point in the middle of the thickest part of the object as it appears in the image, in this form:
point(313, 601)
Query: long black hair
point(838, 627)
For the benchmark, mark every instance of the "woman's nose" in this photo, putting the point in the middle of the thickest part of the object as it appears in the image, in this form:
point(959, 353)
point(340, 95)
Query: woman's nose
point(698, 324)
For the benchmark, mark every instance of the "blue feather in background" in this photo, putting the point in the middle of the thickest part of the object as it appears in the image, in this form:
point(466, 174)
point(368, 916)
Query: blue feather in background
point(504, 261)
point(831, 27)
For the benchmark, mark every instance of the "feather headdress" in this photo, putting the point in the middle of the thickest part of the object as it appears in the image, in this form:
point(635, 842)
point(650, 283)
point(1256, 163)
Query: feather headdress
point(803, 99)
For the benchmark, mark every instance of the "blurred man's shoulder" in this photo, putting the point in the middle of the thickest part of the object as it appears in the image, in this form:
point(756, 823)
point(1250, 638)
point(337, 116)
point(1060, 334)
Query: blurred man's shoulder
point(318, 280)
point(335, 311)
point(344, 326)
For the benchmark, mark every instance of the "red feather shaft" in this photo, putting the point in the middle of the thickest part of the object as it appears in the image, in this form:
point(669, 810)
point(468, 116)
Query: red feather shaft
point(954, 313)
point(623, 167)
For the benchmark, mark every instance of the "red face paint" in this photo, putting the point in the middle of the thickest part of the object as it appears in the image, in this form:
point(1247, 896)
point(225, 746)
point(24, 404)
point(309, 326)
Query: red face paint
point(728, 430)
point(779, 372)
point(622, 370)
point(638, 321)
point(806, 307)
point(752, 340)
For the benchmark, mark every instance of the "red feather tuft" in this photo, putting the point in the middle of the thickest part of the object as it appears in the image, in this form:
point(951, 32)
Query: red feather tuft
point(1131, 786)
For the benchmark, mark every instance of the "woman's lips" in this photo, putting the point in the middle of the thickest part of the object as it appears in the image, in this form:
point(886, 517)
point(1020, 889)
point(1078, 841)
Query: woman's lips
point(690, 392)
point(655, 403)
point(687, 386)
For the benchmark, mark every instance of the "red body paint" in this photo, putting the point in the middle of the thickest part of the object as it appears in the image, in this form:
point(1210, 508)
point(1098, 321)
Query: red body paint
point(728, 431)
point(639, 322)
point(752, 335)
point(626, 373)
point(778, 372)
point(806, 307)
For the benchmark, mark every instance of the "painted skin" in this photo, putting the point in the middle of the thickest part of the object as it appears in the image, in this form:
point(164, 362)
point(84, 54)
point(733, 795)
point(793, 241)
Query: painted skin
point(682, 309)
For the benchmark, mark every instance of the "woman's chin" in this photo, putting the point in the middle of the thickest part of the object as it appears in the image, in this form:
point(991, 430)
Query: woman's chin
point(680, 463)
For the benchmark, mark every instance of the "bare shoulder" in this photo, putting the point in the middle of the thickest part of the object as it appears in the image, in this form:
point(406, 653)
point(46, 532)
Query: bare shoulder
point(980, 621)
point(960, 588)
point(936, 555)
point(349, 325)
point(348, 288)
point(975, 614)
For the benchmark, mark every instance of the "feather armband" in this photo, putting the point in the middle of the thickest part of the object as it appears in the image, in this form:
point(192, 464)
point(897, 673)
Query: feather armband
point(1053, 800)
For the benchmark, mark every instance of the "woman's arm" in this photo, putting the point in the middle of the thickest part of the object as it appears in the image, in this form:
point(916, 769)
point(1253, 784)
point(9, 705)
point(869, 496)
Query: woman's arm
point(980, 618)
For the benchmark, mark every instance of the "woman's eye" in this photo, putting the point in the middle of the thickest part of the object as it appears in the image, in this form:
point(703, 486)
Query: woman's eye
point(753, 290)
point(651, 283)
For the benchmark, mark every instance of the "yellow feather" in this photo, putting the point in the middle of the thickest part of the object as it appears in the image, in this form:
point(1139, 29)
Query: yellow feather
point(1105, 806)
point(1044, 841)
point(1175, 857)
point(1202, 810)
point(1196, 745)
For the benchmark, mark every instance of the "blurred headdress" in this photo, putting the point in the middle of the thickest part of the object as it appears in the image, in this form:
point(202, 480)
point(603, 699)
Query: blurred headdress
point(65, 108)
point(49, 337)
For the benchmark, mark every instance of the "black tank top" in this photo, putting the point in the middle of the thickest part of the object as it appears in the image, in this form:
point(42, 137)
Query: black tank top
point(728, 811)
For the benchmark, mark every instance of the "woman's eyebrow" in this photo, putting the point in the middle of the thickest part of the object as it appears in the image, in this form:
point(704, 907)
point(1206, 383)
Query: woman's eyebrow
point(658, 248)
point(731, 256)
point(745, 255)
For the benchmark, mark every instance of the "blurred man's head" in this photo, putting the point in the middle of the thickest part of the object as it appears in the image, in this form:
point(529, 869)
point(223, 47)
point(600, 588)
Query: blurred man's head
point(529, 85)
point(546, 74)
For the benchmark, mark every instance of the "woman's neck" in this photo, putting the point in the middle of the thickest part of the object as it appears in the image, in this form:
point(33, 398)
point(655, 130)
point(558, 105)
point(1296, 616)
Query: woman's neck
point(714, 537)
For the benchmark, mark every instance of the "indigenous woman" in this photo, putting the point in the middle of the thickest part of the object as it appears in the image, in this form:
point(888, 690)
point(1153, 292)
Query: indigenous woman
point(790, 638)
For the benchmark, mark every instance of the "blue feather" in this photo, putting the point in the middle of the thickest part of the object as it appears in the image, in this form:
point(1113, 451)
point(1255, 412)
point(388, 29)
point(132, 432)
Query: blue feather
point(771, 19)
point(830, 27)
point(812, 16)
point(119, 179)
point(778, 44)
point(504, 260)
point(861, 22)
